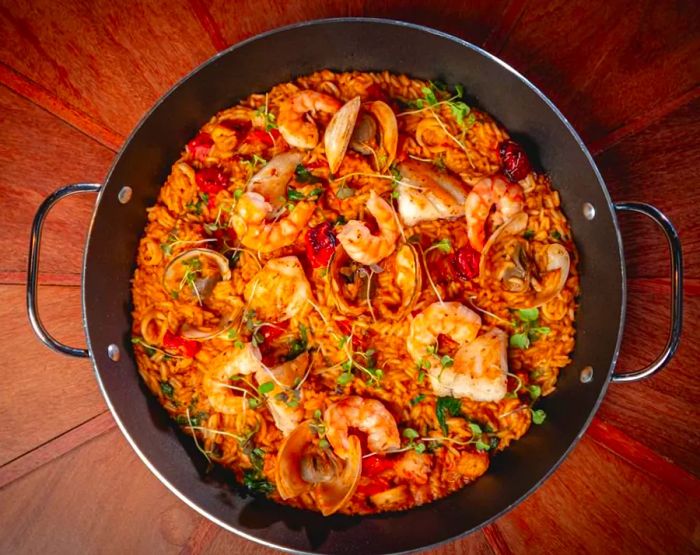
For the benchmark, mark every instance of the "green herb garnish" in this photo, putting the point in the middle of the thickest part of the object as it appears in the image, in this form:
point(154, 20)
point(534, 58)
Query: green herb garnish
point(445, 407)
point(167, 389)
point(538, 416)
point(300, 345)
point(266, 387)
point(527, 330)
point(303, 175)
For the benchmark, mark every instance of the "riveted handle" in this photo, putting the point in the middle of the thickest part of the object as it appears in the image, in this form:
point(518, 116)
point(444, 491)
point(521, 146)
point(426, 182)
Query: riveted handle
point(33, 267)
point(674, 246)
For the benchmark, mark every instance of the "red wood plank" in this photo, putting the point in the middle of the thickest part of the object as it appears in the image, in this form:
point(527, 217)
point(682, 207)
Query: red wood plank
point(472, 21)
point(497, 540)
point(643, 121)
point(509, 19)
point(102, 58)
point(658, 412)
point(597, 503)
point(201, 538)
point(44, 393)
point(39, 154)
point(659, 166)
point(47, 100)
point(201, 11)
point(642, 457)
point(20, 278)
point(98, 498)
point(605, 64)
point(55, 448)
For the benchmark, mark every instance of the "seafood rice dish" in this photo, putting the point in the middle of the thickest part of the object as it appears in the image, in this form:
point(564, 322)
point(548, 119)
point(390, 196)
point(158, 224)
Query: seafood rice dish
point(352, 291)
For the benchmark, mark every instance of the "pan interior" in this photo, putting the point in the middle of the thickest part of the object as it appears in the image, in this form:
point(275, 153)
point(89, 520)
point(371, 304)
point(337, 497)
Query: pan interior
point(257, 65)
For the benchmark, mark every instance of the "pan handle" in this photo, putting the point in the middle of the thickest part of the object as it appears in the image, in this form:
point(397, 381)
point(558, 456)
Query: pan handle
point(674, 246)
point(33, 267)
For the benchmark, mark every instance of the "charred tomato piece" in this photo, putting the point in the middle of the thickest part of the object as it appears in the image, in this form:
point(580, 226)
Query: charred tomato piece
point(514, 161)
point(320, 244)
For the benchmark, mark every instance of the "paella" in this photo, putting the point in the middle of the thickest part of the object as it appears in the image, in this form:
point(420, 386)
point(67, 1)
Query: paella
point(352, 291)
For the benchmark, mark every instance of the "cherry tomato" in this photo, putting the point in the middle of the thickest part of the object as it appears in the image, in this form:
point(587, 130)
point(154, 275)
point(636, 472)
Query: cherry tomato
point(186, 347)
point(466, 262)
point(320, 244)
point(514, 161)
point(200, 146)
point(211, 180)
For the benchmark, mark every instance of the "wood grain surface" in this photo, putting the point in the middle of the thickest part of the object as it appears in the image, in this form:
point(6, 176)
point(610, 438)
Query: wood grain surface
point(75, 77)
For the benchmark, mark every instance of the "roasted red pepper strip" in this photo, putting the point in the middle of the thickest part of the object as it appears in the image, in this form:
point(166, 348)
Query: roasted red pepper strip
point(270, 333)
point(267, 138)
point(211, 180)
point(466, 262)
point(376, 464)
point(200, 146)
point(186, 347)
point(320, 244)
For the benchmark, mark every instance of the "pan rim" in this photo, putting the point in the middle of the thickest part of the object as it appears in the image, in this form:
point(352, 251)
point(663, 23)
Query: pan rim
point(392, 23)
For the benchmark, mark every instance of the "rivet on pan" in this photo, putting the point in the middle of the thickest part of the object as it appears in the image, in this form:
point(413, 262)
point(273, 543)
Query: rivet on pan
point(124, 195)
point(113, 352)
point(586, 374)
point(588, 211)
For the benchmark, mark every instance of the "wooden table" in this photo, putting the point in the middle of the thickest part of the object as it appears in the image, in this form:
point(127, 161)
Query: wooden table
point(76, 77)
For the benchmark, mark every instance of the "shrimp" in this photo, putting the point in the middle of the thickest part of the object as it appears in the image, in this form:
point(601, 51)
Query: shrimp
point(426, 194)
point(508, 198)
point(279, 291)
point(367, 415)
point(479, 371)
point(271, 180)
point(283, 401)
point(249, 223)
point(358, 241)
point(244, 360)
point(292, 122)
point(451, 319)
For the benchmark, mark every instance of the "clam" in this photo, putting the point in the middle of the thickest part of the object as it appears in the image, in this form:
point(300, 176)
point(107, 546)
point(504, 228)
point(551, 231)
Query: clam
point(517, 271)
point(339, 132)
point(198, 270)
point(303, 467)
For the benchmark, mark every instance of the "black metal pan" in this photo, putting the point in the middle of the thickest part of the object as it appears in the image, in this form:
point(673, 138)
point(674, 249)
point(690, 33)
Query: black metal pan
point(363, 44)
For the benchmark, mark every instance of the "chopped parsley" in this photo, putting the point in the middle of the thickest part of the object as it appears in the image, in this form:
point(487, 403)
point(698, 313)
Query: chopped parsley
point(446, 407)
point(299, 345)
point(303, 175)
point(167, 389)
